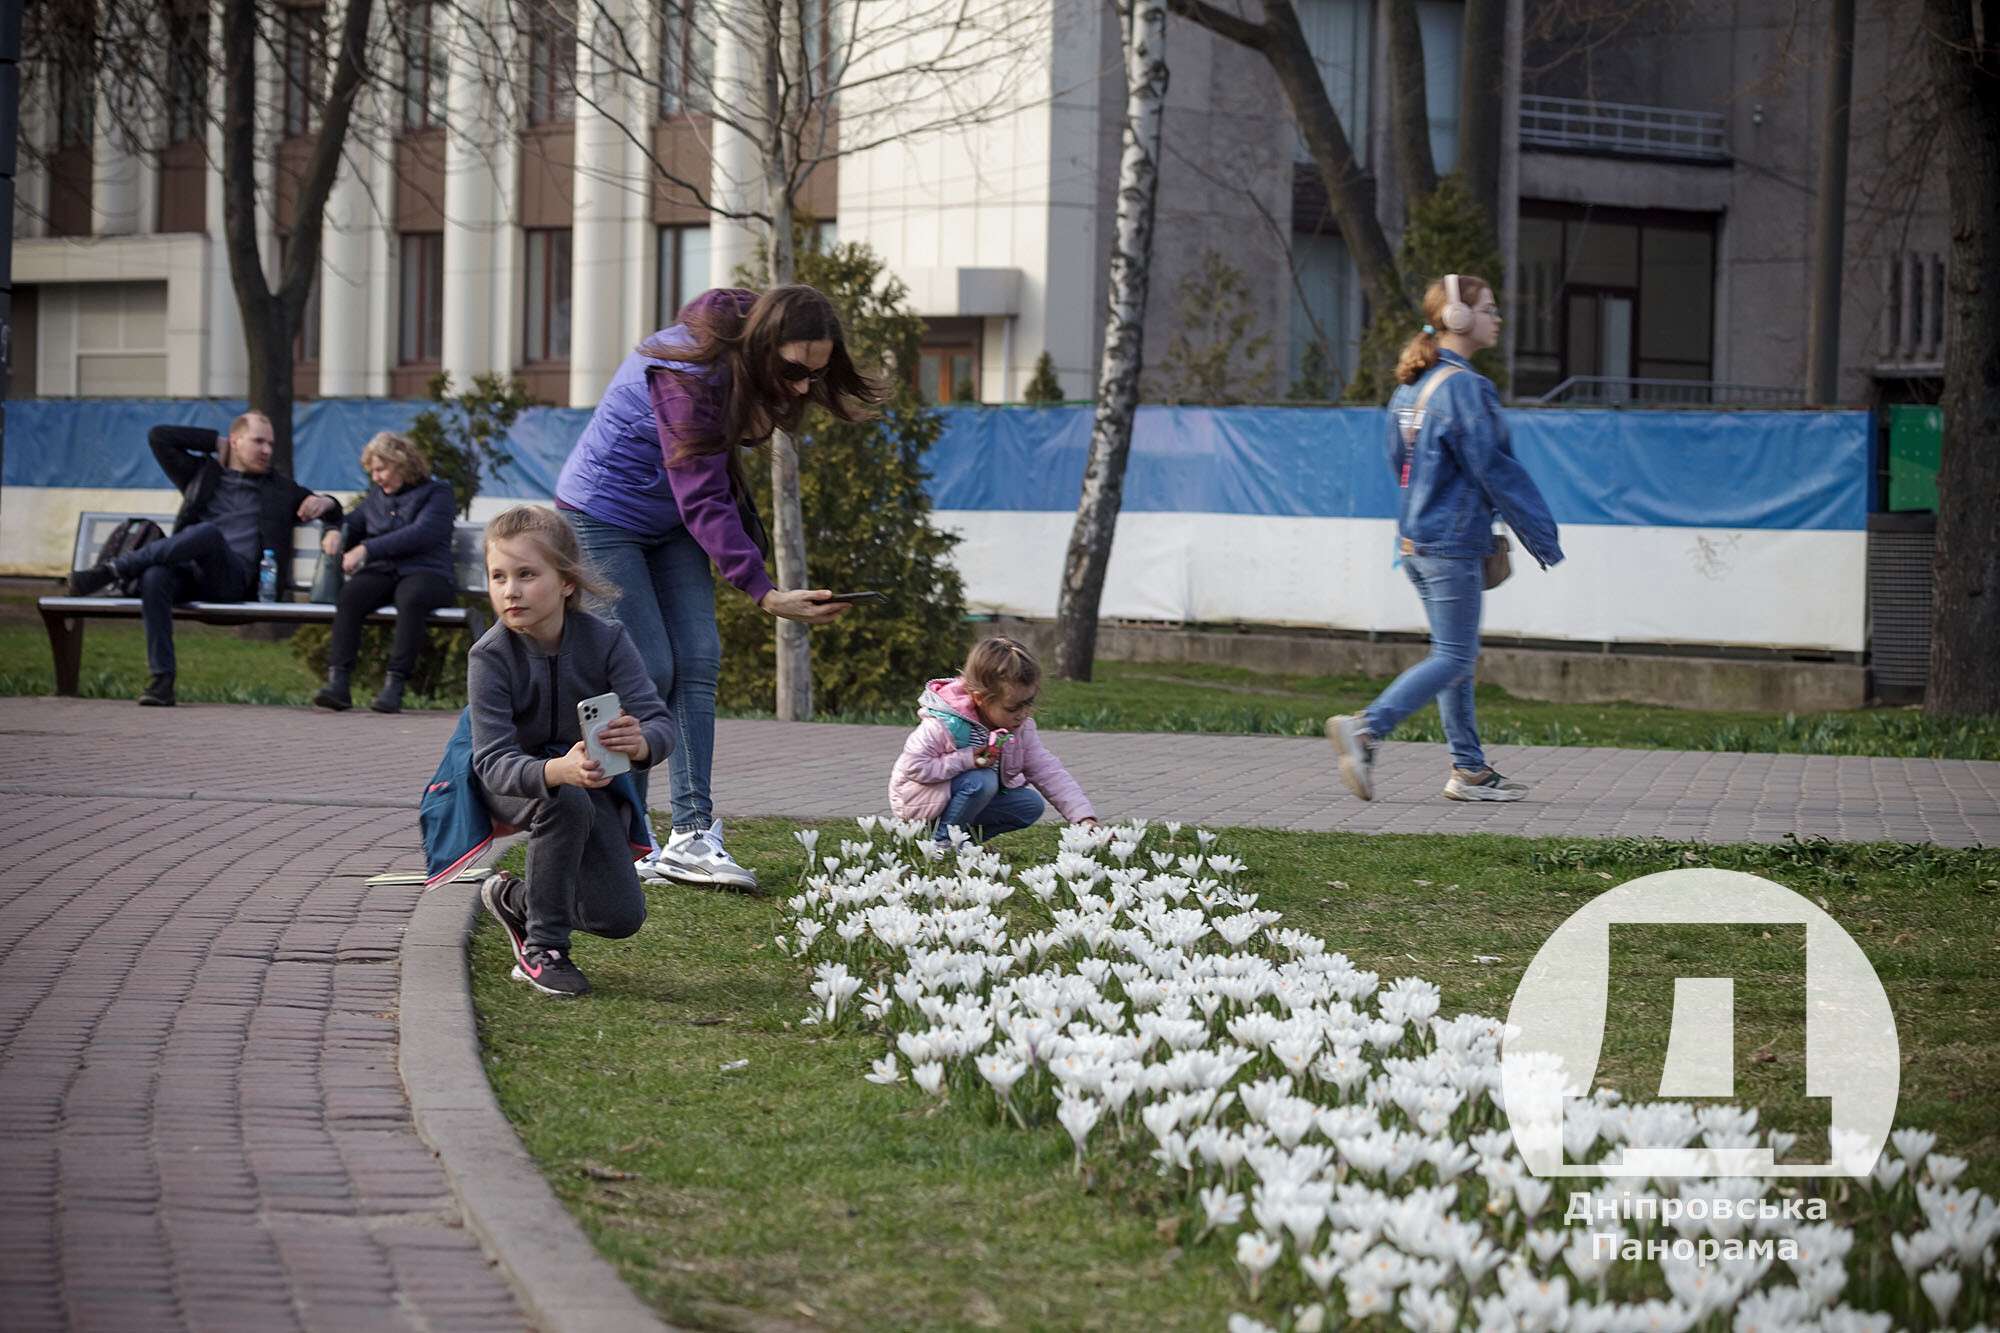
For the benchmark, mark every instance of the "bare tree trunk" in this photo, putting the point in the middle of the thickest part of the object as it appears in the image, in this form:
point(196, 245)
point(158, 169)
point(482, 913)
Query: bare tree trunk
point(1124, 344)
point(1282, 43)
point(1965, 614)
point(794, 701)
point(1409, 109)
point(1830, 220)
point(1481, 70)
point(271, 319)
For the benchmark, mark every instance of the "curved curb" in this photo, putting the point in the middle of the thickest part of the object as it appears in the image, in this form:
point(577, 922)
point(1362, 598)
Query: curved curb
point(564, 1285)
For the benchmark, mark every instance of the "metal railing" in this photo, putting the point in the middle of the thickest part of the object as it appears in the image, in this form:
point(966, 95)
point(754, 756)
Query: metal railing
point(1619, 127)
point(1629, 391)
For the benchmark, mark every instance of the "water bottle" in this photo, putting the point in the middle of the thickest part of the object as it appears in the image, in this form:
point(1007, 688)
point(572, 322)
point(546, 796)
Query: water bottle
point(267, 577)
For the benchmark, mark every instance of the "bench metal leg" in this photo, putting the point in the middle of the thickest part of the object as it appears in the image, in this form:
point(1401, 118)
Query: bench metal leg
point(66, 647)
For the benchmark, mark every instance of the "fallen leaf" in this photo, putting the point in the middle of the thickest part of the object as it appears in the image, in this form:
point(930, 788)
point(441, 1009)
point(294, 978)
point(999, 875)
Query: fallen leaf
point(731, 1066)
point(1604, 874)
point(1763, 1055)
point(1486, 958)
point(1903, 937)
point(1336, 884)
point(1421, 883)
point(597, 1171)
point(1166, 1229)
point(805, 1309)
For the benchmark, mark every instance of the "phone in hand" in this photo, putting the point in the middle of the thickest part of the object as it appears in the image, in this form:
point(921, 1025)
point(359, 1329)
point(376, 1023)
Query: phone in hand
point(868, 596)
point(592, 716)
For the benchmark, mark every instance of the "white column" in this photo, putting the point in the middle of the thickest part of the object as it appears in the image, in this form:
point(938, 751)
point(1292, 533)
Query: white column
point(473, 213)
point(115, 169)
point(226, 373)
point(349, 290)
point(736, 180)
point(602, 196)
point(31, 179)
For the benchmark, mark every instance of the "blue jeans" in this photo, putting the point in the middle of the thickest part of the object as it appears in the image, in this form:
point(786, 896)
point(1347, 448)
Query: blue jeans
point(193, 565)
point(666, 602)
point(1451, 588)
point(985, 809)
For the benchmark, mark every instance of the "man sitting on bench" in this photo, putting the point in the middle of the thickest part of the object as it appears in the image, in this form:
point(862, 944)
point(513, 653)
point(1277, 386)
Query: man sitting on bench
point(233, 509)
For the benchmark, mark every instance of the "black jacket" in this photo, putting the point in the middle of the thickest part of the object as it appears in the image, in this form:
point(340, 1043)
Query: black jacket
point(405, 533)
point(187, 455)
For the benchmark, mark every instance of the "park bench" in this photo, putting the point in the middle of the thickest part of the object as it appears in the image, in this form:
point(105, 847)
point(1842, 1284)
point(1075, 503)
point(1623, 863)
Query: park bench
point(65, 617)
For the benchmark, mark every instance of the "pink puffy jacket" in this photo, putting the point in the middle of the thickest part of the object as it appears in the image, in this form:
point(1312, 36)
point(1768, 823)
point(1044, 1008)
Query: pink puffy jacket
point(920, 785)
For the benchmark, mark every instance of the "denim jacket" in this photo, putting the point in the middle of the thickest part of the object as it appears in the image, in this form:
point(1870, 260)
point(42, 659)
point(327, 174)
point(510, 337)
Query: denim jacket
point(1463, 471)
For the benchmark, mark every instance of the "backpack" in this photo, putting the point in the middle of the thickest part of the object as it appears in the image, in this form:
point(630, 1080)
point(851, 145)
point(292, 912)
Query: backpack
point(126, 538)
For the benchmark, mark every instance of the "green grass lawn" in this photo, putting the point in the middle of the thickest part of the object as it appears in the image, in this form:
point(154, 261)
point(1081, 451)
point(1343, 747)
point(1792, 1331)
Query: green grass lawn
point(217, 665)
point(791, 1191)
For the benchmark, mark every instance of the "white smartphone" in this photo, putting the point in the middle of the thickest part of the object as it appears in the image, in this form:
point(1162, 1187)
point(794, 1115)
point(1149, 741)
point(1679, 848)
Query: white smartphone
point(593, 716)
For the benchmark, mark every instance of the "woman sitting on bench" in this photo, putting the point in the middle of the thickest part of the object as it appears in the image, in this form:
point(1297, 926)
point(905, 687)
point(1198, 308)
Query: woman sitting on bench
point(398, 550)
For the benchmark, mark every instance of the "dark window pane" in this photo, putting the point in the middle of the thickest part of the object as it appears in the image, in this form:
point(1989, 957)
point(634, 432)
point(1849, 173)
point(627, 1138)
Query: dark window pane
point(1676, 292)
point(1603, 254)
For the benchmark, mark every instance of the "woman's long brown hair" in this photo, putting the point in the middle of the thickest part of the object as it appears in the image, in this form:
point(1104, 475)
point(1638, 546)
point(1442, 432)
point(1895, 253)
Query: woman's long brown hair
point(760, 399)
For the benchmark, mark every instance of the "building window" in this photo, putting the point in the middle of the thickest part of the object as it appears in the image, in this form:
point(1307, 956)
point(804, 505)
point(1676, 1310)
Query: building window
point(424, 69)
point(687, 59)
point(551, 63)
point(305, 345)
point(1321, 271)
point(683, 269)
point(420, 298)
point(546, 335)
point(187, 76)
point(302, 52)
point(948, 373)
point(1613, 294)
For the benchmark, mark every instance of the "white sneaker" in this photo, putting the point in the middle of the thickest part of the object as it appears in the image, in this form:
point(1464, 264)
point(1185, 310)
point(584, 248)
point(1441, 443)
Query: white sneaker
point(696, 856)
point(1487, 786)
point(1356, 748)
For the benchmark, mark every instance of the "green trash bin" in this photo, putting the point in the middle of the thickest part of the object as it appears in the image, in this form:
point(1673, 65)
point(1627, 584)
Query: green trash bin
point(1914, 434)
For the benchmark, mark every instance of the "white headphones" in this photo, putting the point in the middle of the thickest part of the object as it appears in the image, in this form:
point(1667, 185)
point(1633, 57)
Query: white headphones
point(1457, 315)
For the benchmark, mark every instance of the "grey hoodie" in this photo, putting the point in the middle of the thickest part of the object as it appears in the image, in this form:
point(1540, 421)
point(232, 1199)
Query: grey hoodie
point(524, 700)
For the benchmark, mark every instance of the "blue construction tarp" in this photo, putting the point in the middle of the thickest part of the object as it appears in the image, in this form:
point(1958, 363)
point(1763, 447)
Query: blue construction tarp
point(1774, 470)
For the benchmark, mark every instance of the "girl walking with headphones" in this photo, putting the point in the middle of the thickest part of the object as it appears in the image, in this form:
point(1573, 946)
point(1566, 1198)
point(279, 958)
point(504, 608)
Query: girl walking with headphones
point(1449, 449)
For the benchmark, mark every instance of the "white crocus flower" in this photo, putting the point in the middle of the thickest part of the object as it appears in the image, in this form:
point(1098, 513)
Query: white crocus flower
point(1944, 1170)
point(930, 1077)
point(1941, 1285)
point(1079, 1116)
point(885, 1071)
point(1913, 1144)
point(1255, 1253)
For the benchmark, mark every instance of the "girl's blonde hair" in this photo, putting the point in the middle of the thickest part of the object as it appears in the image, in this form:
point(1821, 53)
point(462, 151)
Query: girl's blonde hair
point(397, 451)
point(551, 532)
point(1420, 353)
point(999, 661)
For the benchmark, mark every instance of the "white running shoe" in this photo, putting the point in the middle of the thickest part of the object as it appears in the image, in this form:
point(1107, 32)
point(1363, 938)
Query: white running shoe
point(1356, 748)
point(1487, 786)
point(696, 856)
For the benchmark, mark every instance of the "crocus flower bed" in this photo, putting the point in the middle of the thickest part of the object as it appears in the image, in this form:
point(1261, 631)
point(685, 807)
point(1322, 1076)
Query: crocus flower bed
point(1328, 1132)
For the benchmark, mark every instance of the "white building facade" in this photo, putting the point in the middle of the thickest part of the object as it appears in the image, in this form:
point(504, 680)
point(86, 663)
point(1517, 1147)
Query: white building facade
point(513, 207)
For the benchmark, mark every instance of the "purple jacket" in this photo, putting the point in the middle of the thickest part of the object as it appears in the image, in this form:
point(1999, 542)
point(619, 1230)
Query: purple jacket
point(618, 472)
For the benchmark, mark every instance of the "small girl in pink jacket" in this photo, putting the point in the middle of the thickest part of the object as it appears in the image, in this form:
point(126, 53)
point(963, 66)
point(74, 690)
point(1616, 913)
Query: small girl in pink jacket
point(974, 762)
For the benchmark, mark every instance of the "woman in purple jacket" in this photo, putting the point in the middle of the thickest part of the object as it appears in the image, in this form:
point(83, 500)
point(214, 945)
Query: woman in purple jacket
point(656, 491)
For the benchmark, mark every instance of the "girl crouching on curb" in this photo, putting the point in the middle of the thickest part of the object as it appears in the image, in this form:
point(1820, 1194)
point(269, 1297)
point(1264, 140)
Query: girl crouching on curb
point(523, 682)
point(974, 762)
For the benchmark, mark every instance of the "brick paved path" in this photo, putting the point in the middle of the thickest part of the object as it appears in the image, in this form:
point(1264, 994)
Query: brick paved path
point(200, 1120)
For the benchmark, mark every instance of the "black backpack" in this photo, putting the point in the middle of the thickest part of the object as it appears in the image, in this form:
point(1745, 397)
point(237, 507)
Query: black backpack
point(126, 538)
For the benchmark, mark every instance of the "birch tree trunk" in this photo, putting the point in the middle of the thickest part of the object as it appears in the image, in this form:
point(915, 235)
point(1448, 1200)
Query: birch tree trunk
point(1124, 337)
point(788, 540)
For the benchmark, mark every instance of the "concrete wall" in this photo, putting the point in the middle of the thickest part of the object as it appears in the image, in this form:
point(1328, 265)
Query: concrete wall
point(1552, 675)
